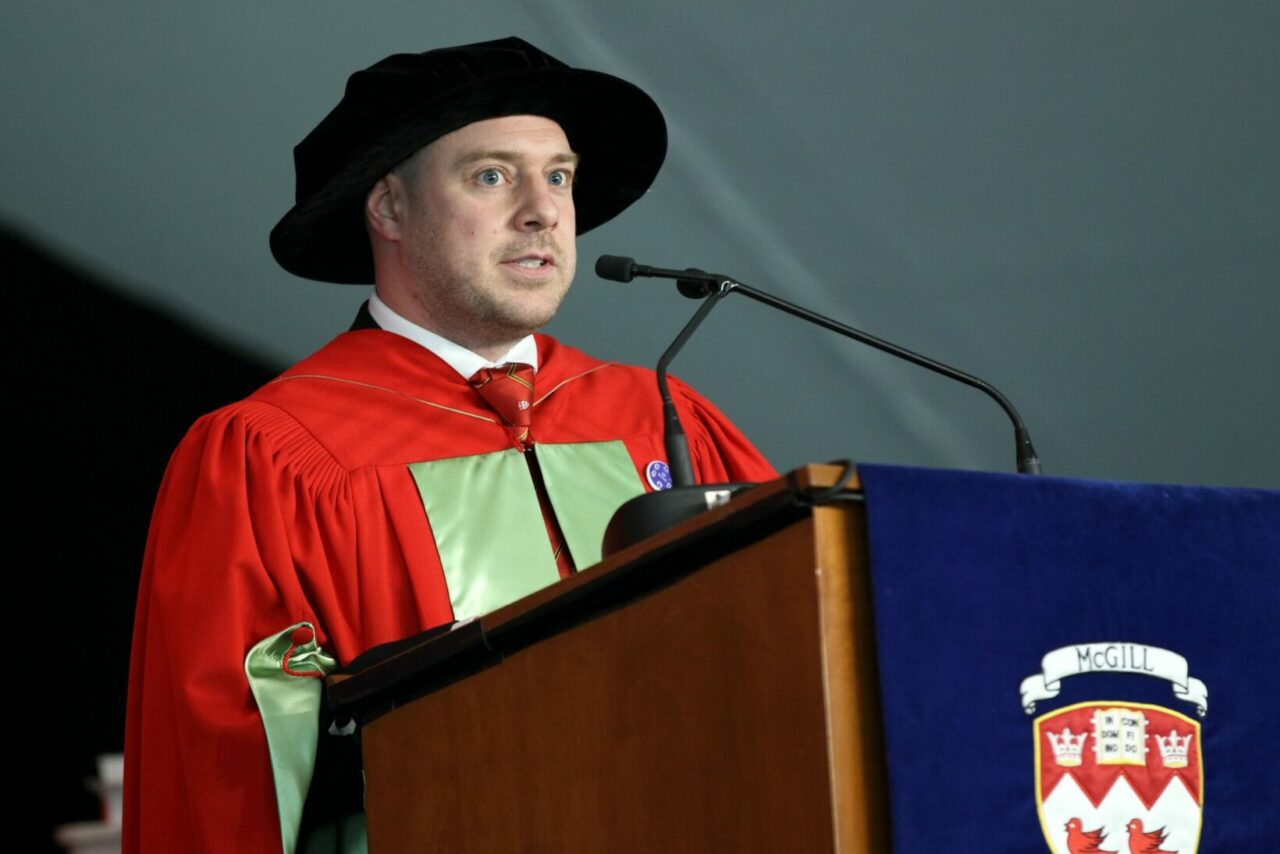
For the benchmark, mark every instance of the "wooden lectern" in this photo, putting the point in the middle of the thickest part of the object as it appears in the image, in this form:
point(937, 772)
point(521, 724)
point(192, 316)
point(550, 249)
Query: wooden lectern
point(711, 689)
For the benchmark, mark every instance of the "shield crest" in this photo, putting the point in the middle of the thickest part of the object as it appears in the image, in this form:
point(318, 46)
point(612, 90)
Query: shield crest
point(1113, 776)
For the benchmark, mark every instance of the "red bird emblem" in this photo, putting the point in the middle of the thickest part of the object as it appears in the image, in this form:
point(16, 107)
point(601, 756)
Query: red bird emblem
point(1146, 842)
point(1081, 841)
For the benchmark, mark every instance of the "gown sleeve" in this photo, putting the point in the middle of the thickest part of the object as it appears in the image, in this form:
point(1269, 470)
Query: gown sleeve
point(227, 657)
point(720, 452)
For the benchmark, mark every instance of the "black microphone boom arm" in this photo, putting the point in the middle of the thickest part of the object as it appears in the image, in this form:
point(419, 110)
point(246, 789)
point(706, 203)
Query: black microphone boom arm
point(698, 284)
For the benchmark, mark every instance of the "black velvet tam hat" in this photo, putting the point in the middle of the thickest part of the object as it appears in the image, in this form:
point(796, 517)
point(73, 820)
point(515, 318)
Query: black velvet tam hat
point(397, 106)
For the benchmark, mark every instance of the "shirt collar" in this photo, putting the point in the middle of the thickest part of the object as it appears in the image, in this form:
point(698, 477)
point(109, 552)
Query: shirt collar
point(456, 356)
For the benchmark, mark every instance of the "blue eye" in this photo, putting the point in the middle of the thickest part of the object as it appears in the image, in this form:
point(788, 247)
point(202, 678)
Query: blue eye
point(558, 178)
point(490, 177)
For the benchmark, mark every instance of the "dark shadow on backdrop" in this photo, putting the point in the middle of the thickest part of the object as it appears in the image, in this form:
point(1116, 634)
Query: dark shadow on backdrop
point(105, 389)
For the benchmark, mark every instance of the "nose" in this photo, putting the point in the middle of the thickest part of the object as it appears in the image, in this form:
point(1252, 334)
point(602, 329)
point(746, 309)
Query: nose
point(539, 208)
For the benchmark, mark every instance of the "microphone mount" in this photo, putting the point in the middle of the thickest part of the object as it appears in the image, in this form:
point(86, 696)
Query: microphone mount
point(674, 440)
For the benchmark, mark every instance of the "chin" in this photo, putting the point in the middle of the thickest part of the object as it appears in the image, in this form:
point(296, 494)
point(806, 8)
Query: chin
point(532, 316)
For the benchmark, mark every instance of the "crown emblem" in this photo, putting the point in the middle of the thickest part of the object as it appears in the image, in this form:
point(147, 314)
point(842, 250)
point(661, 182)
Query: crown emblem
point(1068, 748)
point(1173, 748)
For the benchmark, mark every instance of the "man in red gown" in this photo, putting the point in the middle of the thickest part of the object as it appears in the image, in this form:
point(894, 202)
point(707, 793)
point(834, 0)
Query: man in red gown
point(432, 464)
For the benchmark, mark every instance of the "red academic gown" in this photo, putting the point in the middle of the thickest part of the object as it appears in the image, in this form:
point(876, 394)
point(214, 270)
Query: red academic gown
point(295, 506)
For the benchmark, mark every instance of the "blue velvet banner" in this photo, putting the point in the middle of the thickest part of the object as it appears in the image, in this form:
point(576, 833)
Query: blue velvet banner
point(1077, 666)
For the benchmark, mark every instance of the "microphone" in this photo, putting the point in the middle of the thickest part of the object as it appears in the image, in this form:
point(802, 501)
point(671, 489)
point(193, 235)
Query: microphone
point(692, 282)
point(620, 269)
point(653, 512)
point(697, 284)
point(615, 268)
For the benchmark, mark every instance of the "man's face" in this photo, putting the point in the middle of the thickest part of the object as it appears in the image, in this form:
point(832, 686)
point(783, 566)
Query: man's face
point(488, 229)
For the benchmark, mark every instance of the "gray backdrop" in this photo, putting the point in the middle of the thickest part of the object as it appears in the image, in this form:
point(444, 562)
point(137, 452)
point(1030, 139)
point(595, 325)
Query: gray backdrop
point(1079, 201)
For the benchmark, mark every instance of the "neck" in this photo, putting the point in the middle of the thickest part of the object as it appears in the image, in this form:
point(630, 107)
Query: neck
point(489, 347)
point(492, 352)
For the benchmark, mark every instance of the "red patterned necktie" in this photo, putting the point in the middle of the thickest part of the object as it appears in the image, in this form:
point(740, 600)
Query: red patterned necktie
point(509, 390)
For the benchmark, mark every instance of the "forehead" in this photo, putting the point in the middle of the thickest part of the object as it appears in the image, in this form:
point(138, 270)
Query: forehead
point(524, 136)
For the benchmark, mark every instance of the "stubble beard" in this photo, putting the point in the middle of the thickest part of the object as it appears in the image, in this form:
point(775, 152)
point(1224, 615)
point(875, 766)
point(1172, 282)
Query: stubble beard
point(479, 306)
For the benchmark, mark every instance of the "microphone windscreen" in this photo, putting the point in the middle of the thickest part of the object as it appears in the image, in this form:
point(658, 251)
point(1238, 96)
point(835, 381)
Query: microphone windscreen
point(615, 268)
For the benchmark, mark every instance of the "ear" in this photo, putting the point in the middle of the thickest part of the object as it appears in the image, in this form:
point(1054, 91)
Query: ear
point(382, 208)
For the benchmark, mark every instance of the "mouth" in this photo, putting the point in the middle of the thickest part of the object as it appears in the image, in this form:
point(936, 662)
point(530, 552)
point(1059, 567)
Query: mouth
point(531, 264)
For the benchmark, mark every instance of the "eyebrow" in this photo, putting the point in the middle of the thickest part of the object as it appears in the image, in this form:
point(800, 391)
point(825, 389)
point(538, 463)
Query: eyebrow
point(511, 157)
